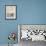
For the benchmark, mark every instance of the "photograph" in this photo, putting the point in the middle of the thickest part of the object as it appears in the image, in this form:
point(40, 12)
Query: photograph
point(30, 33)
point(10, 12)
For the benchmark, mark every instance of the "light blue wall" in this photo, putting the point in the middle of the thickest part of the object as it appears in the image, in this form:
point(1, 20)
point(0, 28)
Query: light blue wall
point(28, 12)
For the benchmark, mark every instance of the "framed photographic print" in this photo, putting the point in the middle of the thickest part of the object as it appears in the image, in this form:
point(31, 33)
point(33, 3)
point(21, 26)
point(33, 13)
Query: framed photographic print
point(10, 12)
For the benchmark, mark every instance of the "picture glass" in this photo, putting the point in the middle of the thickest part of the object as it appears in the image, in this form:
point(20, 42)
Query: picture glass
point(10, 12)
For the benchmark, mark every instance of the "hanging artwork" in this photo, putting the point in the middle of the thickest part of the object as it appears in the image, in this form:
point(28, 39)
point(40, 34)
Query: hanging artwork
point(32, 32)
point(10, 12)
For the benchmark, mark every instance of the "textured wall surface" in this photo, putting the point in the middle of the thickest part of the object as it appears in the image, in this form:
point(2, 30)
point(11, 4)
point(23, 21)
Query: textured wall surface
point(28, 12)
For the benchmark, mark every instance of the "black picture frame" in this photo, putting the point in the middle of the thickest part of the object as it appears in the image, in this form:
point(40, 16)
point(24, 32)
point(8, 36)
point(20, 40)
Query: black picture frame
point(15, 12)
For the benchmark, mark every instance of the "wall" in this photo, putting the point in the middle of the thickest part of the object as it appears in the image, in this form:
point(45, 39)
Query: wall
point(28, 12)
